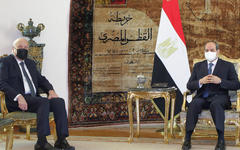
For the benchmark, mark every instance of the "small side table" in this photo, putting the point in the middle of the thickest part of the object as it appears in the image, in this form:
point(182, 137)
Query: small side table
point(169, 94)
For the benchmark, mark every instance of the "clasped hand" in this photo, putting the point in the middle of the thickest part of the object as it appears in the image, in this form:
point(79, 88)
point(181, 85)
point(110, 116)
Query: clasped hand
point(210, 79)
point(52, 94)
point(22, 104)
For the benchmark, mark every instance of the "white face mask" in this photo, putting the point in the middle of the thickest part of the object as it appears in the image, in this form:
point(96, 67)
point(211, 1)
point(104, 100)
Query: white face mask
point(210, 56)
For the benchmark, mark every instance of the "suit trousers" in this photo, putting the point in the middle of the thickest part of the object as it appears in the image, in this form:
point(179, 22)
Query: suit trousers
point(216, 104)
point(42, 106)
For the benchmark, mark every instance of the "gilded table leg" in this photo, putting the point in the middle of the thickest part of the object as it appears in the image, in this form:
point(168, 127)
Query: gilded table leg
point(167, 102)
point(28, 131)
point(138, 116)
point(173, 97)
point(129, 102)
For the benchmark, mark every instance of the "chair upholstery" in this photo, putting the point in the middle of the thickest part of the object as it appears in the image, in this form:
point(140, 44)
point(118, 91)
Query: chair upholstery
point(20, 118)
point(6, 125)
point(232, 116)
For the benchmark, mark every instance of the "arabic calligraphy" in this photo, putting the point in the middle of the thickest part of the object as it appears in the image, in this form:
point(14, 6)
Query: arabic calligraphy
point(122, 21)
point(124, 43)
point(123, 39)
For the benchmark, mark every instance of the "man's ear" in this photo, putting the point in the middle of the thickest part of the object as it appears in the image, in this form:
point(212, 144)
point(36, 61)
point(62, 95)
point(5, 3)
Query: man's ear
point(14, 51)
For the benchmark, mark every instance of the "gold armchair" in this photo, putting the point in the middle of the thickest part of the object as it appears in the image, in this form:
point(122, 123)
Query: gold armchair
point(24, 118)
point(27, 119)
point(232, 116)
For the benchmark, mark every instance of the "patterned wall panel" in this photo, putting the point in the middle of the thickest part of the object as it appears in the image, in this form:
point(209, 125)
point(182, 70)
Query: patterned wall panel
point(202, 20)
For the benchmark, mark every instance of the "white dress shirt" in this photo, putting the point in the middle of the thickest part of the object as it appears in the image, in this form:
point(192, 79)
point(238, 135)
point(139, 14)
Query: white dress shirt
point(214, 64)
point(26, 86)
point(213, 67)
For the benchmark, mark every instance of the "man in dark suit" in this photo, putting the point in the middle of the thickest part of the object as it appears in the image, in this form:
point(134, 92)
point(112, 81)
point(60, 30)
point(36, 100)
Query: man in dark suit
point(20, 80)
point(212, 78)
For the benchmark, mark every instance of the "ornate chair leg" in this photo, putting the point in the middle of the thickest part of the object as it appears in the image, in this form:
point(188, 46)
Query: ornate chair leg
point(237, 133)
point(9, 139)
point(28, 131)
point(183, 130)
point(1, 136)
point(54, 132)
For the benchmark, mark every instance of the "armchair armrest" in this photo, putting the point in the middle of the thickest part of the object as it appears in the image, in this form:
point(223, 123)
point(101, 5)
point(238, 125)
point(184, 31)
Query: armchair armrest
point(185, 94)
point(4, 110)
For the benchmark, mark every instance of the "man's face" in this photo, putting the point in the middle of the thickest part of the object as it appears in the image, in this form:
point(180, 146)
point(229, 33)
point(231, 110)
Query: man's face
point(211, 53)
point(21, 44)
point(211, 47)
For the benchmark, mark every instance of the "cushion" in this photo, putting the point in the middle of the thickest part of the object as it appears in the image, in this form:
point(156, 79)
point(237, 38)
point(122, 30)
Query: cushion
point(5, 122)
point(18, 115)
point(206, 114)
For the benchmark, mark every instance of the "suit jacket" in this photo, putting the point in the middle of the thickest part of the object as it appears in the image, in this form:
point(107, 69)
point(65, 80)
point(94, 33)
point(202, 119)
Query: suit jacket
point(223, 69)
point(11, 81)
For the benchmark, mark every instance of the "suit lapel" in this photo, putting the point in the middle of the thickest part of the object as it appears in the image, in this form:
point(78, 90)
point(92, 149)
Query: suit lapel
point(205, 68)
point(217, 67)
point(18, 71)
point(28, 64)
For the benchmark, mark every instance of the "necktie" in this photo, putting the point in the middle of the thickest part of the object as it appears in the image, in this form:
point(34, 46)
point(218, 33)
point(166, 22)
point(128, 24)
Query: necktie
point(210, 68)
point(206, 92)
point(28, 79)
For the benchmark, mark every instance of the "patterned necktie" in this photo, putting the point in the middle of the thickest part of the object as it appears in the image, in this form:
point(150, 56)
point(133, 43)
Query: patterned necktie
point(210, 68)
point(28, 79)
point(206, 92)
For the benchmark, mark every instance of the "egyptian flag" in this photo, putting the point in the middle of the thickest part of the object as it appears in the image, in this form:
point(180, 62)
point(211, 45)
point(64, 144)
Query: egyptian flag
point(171, 61)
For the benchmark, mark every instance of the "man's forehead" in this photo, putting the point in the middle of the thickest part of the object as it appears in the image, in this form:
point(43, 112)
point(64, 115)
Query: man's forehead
point(21, 42)
point(210, 45)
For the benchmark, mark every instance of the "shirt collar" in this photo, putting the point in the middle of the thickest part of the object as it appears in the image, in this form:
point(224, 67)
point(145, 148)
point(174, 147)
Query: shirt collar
point(214, 62)
point(18, 61)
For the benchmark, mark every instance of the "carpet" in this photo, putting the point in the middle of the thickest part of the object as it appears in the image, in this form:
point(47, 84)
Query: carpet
point(116, 143)
point(87, 108)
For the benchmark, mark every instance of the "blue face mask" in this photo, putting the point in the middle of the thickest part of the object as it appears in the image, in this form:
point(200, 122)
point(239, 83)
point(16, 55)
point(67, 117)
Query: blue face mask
point(22, 53)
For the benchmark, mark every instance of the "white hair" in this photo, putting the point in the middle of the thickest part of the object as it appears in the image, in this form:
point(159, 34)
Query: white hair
point(18, 39)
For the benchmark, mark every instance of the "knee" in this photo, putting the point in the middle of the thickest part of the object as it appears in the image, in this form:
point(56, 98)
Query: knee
point(194, 104)
point(214, 105)
point(60, 101)
point(195, 107)
point(44, 102)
